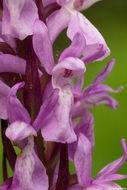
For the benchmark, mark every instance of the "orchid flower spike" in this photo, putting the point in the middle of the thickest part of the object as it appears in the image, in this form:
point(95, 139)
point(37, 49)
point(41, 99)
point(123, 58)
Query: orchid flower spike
point(83, 165)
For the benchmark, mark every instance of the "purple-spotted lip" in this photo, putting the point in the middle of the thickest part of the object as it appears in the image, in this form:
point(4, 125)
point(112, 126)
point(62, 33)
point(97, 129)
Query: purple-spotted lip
point(67, 73)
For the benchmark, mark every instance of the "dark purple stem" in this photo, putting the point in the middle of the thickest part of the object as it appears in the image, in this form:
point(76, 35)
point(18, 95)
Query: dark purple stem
point(5, 48)
point(63, 175)
point(32, 93)
point(32, 89)
point(41, 12)
point(8, 148)
point(52, 156)
point(44, 12)
point(1, 4)
point(51, 8)
point(40, 147)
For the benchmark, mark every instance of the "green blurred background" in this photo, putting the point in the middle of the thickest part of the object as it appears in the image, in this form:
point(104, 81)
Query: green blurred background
point(110, 17)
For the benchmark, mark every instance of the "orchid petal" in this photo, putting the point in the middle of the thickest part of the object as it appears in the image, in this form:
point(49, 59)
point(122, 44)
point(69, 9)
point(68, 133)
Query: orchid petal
point(97, 98)
point(53, 117)
point(93, 52)
point(29, 171)
point(97, 185)
point(6, 184)
point(11, 63)
point(63, 75)
point(15, 109)
point(94, 98)
point(102, 88)
point(4, 91)
point(42, 46)
point(101, 76)
point(112, 177)
point(49, 120)
point(84, 4)
point(105, 72)
point(55, 25)
point(58, 127)
point(59, 119)
point(114, 166)
point(83, 160)
point(65, 2)
point(19, 130)
point(18, 18)
point(7, 38)
point(71, 150)
point(3, 187)
point(86, 127)
point(96, 87)
point(76, 48)
point(75, 65)
point(78, 86)
point(79, 23)
point(46, 109)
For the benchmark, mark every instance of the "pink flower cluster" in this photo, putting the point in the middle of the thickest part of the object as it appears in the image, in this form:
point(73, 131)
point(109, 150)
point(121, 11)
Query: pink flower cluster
point(43, 111)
